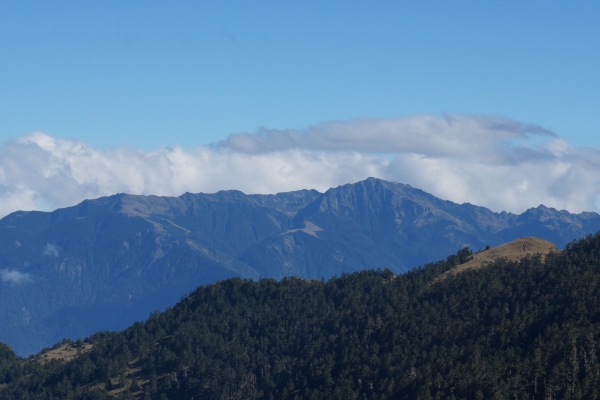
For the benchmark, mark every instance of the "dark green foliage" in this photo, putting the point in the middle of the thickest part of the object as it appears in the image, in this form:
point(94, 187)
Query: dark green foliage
point(10, 368)
point(511, 330)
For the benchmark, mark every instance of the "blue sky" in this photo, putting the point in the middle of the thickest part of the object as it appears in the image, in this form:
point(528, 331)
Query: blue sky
point(149, 73)
point(190, 85)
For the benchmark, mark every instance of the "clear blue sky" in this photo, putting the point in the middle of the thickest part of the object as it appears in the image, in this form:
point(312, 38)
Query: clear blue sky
point(152, 73)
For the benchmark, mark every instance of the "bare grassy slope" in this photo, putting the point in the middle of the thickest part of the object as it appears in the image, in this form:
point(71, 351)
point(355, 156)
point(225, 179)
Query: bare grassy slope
point(512, 251)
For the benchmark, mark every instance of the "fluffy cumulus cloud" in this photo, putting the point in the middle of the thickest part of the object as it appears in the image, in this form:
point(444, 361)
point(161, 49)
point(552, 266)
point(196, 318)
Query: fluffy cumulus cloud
point(490, 161)
point(12, 277)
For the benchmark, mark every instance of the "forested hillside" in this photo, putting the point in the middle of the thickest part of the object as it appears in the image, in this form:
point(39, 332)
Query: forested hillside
point(511, 330)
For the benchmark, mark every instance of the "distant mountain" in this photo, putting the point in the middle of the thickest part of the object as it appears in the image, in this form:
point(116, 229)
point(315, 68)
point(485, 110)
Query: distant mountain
point(107, 262)
point(525, 328)
point(375, 223)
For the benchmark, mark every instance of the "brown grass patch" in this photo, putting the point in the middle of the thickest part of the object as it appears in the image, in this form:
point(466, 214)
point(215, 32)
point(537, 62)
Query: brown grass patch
point(512, 251)
point(65, 352)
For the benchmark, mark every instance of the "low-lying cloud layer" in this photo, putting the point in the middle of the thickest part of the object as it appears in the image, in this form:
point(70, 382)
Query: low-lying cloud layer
point(490, 161)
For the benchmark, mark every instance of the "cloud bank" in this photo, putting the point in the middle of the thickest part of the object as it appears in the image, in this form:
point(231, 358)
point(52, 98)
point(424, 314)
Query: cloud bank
point(485, 160)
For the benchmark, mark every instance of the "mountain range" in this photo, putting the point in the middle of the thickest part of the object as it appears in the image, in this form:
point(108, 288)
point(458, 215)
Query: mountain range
point(105, 263)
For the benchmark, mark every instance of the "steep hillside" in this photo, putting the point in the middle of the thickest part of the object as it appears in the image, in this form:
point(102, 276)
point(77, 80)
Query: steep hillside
point(527, 329)
point(108, 262)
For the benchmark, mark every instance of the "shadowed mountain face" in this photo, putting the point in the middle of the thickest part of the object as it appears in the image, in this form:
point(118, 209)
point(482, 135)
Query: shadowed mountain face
point(107, 262)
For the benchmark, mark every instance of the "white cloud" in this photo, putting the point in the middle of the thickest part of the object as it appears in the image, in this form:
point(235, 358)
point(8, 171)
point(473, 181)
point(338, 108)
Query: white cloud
point(50, 250)
point(14, 277)
point(489, 161)
point(424, 134)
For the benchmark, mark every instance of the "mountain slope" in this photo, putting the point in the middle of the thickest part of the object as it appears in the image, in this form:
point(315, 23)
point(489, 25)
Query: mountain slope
point(108, 262)
point(512, 251)
point(388, 225)
point(527, 329)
